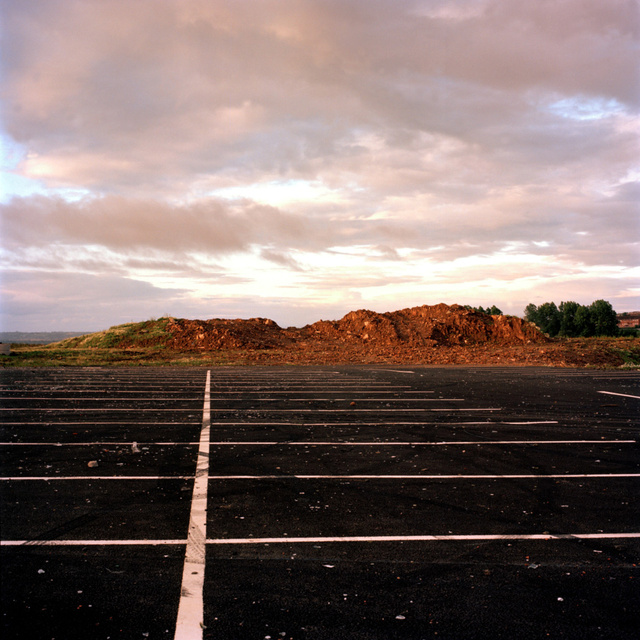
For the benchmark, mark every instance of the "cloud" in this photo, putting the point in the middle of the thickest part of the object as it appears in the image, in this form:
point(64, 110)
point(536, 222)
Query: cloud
point(201, 145)
point(127, 224)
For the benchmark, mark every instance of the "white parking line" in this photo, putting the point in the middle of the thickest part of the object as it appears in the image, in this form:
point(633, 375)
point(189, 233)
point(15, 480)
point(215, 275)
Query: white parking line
point(624, 395)
point(425, 538)
point(88, 478)
point(394, 371)
point(527, 476)
point(313, 443)
point(99, 424)
point(102, 443)
point(327, 539)
point(395, 423)
point(93, 410)
point(189, 624)
point(445, 443)
point(289, 476)
point(354, 410)
point(85, 543)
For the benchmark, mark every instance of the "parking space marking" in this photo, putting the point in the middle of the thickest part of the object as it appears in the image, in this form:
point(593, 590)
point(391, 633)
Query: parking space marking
point(102, 443)
point(85, 478)
point(395, 423)
point(354, 410)
point(190, 620)
point(92, 410)
point(327, 539)
point(120, 423)
point(362, 400)
point(443, 443)
point(523, 476)
point(314, 443)
point(425, 538)
point(286, 476)
point(624, 395)
point(88, 543)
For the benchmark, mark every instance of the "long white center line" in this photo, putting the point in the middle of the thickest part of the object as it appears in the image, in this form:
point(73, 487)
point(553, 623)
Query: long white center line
point(189, 624)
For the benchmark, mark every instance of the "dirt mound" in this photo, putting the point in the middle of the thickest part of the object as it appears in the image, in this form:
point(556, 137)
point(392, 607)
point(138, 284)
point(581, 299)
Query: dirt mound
point(366, 334)
point(211, 335)
point(428, 335)
point(426, 326)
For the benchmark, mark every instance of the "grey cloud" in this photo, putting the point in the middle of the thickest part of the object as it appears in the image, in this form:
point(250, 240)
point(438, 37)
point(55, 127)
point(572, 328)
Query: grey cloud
point(281, 259)
point(128, 224)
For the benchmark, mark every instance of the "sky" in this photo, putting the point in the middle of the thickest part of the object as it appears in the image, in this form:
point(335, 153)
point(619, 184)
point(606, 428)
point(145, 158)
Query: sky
point(299, 159)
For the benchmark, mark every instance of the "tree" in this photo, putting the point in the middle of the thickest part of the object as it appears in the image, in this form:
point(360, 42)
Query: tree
point(573, 319)
point(549, 318)
point(604, 318)
point(531, 313)
point(492, 311)
point(568, 312)
point(584, 322)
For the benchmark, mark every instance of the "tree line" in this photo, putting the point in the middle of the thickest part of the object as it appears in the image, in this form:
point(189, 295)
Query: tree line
point(571, 319)
point(492, 310)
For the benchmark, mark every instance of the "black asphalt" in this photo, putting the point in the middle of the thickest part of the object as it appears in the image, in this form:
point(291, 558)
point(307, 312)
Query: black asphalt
point(319, 453)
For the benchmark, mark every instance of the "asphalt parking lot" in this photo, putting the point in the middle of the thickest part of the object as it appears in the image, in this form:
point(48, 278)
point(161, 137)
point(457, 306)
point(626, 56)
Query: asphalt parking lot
point(323, 502)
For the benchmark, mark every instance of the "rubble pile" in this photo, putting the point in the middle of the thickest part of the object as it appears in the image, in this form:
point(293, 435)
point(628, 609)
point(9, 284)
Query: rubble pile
point(427, 326)
point(212, 335)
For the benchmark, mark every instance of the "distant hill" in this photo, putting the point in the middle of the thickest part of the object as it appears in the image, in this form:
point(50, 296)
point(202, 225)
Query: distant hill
point(37, 337)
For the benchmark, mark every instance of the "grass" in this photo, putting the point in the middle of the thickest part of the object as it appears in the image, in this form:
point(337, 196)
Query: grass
point(132, 334)
point(630, 356)
point(63, 356)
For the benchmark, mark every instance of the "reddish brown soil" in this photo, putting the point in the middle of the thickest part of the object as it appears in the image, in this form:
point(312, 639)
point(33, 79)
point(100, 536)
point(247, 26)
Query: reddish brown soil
point(439, 334)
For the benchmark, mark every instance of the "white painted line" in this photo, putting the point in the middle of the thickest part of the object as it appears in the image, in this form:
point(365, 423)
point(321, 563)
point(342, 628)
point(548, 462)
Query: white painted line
point(49, 478)
point(487, 423)
point(425, 538)
point(365, 399)
point(250, 411)
point(99, 424)
point(624, 395)
point(394, 371)
point(319, 443)
point(94, 410)
point(395, 423)
point(273, 392)
point(445, 443)
point(85, 543)
point(531, 422)
point(285, 476)
point(102, 443)
point(326, 539)
point(75, 398)
point(189, 624)
point(428, 477)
